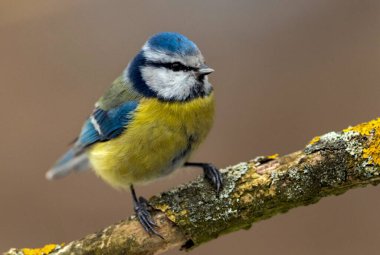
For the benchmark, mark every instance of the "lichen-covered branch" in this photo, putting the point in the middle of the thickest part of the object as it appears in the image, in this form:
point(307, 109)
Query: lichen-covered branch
point(192, 214)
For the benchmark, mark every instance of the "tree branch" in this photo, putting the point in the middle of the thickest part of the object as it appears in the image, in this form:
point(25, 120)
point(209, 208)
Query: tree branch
point(192, 214)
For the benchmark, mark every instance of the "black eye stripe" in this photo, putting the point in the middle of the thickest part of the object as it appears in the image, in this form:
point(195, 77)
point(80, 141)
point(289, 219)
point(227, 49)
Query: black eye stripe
point(175, 66)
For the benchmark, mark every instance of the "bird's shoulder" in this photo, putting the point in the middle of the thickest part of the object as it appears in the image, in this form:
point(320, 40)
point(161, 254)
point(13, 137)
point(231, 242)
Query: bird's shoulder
point(120, 92)
point(111, 115)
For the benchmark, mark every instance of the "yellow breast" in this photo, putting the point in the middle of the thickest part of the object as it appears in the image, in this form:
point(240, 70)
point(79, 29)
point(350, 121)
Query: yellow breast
point(160, 137)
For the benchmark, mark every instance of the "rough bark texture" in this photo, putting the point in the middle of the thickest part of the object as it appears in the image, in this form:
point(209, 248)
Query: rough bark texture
point(192, 214)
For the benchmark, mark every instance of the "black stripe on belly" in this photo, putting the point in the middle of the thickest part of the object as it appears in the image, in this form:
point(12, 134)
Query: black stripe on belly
point(190, 141)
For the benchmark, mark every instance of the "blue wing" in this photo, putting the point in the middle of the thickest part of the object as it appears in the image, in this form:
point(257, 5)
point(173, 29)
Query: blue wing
point(104, 125)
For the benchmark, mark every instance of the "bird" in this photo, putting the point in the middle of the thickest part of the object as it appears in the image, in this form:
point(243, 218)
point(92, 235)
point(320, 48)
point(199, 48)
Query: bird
point(148, 123)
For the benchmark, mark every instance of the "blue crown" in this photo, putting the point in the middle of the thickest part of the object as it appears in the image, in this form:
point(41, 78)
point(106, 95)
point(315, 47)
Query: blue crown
point(173, 43)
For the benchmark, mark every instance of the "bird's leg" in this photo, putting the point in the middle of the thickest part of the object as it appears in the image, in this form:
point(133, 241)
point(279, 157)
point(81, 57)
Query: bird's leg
point(141, 209)
point(211, 173)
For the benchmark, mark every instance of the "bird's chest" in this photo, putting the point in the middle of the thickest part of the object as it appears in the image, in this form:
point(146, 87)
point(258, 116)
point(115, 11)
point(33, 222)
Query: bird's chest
point(172, 130)
point(191, 120)
point(158, 139)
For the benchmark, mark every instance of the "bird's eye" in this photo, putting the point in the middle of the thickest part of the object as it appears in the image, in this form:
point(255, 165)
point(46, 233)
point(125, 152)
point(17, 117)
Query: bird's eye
point(176, 67)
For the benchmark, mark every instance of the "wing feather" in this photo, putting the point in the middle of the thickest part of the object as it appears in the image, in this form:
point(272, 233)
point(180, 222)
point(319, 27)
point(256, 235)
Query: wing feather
point(110, 118)
point(105, 125)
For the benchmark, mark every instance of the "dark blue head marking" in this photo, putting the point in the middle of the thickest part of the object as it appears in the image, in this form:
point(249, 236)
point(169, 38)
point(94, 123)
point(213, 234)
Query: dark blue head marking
point(134, 74)
point(173, 43)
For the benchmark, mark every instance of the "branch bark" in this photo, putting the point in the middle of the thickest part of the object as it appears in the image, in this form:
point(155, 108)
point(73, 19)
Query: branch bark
point(192, 214)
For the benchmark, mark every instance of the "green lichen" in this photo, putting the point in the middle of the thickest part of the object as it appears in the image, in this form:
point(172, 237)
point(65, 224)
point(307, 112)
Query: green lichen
point(248, 197)
point(251, 195)
point(199, 205)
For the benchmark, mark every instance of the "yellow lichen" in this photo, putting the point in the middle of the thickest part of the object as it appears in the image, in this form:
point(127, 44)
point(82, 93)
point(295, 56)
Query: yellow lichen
point(272, 191)
point(183, 215)
point(370, 129)
point(47, 249)
point(162, 207)
point(372, 153)
point(171, 216)
point(315, 140)
point(250, 180)
point(365, 128)
point(165, 209)
point(183, 212)
point(274, 156)
point(247, 199)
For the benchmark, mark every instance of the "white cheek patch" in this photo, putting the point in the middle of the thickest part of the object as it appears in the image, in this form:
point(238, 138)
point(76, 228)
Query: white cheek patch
point(167, 83)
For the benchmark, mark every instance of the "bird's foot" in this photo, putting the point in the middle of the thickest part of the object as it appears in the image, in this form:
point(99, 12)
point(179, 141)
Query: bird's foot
point(213, 175)
point(144, 217)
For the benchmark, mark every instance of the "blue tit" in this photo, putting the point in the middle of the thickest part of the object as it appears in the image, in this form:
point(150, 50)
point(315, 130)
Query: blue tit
point(148, 123)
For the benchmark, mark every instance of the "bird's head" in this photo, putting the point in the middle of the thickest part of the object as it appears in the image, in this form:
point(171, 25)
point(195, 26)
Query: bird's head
point(171, 68)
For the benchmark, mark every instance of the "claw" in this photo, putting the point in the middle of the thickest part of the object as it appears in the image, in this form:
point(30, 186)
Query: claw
point(211, 173)
point(141, 209)
point(214, 176)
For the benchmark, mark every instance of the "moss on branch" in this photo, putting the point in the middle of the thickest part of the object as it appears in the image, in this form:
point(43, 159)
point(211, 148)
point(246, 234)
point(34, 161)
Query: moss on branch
point(192, 214)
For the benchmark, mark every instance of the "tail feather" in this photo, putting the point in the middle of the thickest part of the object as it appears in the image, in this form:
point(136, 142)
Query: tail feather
point(69, 162)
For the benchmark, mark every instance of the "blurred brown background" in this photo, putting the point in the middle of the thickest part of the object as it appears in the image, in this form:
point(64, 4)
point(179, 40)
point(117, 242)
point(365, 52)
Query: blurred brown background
point(285, 72)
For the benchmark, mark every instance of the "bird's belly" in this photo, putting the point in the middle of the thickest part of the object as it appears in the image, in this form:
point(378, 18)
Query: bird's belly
point(159, 139)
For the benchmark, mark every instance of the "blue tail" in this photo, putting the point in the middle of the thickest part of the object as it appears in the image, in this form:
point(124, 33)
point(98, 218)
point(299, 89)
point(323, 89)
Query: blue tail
point(71, 161)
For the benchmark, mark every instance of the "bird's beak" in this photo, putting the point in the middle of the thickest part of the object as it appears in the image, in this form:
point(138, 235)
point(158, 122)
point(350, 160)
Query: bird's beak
point(205, 70)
